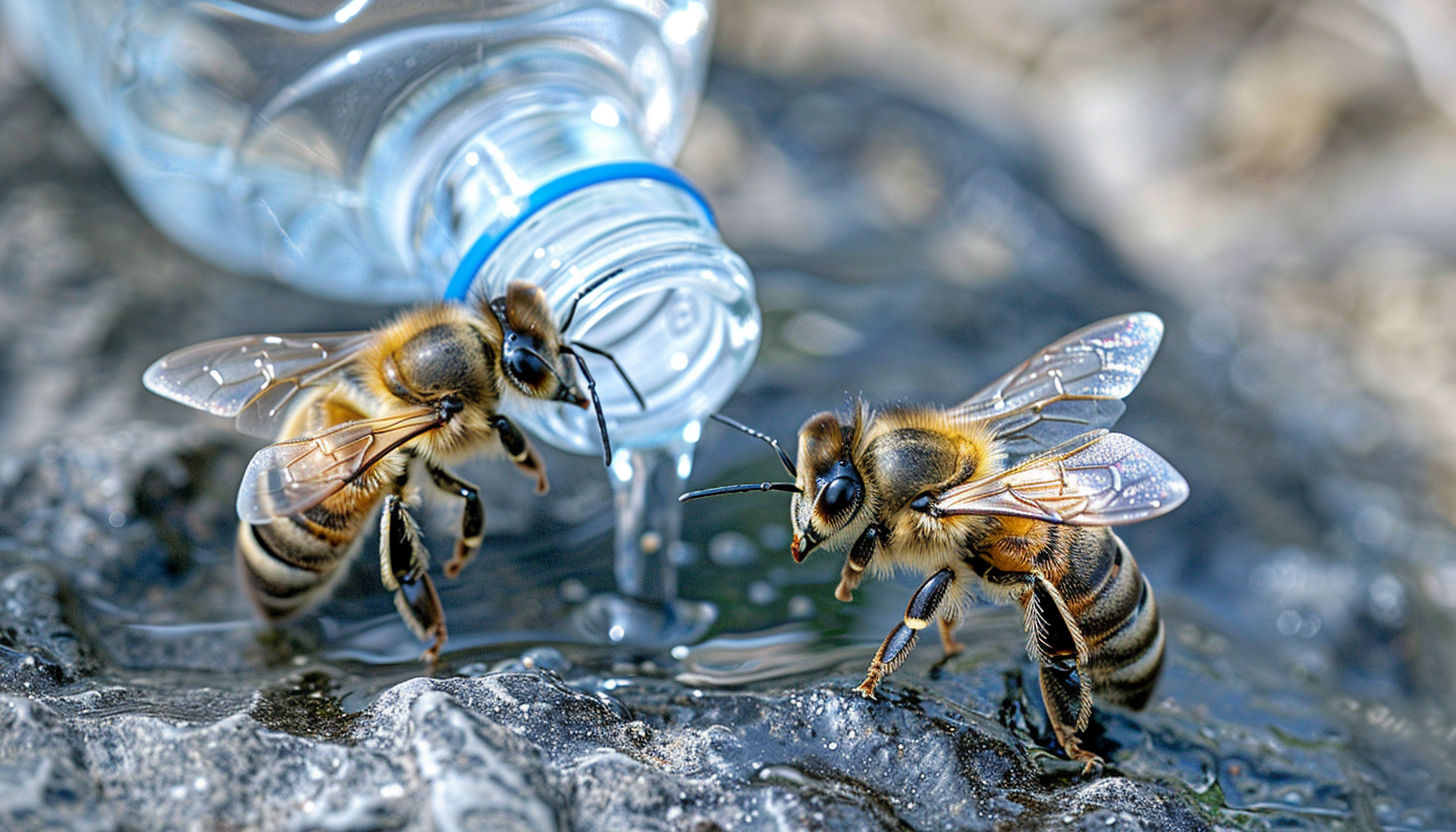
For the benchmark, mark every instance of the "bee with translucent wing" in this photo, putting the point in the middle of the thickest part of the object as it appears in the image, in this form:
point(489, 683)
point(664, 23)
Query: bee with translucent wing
point(1011, 494)
point(356, 415)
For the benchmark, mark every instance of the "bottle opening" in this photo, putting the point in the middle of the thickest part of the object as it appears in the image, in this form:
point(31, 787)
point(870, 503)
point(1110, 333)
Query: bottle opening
point(481, 250)
point(664, 297)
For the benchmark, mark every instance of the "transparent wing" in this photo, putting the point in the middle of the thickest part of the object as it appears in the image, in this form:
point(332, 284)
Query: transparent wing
point(1098, 479)
point(252, 377)
point(296, 475)
point(1068, 388)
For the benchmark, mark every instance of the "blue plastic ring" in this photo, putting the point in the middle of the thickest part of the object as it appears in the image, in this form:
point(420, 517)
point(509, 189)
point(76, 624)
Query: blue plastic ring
point(568, 183)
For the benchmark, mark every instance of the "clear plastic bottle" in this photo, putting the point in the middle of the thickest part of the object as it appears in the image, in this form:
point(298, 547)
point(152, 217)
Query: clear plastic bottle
point(364, 148)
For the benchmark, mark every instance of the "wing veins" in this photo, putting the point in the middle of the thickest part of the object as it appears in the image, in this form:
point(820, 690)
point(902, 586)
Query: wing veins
point(1099, 363)
point(1099, 478)
point(252, 378)
point(293, 476)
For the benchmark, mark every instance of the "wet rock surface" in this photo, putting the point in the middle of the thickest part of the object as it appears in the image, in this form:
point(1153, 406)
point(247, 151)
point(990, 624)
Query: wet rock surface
point(529, 751)
point(900, 254)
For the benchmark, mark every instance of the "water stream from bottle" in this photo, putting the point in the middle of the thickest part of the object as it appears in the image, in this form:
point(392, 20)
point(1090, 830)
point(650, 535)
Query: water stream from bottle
point(645, 610)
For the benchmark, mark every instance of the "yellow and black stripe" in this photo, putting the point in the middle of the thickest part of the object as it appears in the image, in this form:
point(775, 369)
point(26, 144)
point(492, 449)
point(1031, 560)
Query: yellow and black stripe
point(293, 562)
point(1113, 606)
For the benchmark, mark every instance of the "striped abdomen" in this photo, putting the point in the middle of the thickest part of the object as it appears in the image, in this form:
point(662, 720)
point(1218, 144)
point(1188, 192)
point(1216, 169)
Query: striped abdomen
point(293, 563)
point(1112, 604)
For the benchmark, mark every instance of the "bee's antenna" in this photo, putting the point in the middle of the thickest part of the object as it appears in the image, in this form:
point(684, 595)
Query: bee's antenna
point(591, 388)
point(621, 372)
point(735, 489)
point(783, 457)
point(583, 292)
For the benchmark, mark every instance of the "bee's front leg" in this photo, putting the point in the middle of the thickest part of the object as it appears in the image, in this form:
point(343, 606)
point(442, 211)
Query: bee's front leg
point(860, 555)
point(901, 640)
point(519, 449)
point(947, 636)
point(402, 562)
point(472, 523)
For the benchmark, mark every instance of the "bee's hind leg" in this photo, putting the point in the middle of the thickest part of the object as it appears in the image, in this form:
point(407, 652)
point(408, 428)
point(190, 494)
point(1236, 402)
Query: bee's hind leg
point(521, 452)
point(402, 564)
point(901, 640)
point(1063, 691)
point(472, 523)
point(1059, 650)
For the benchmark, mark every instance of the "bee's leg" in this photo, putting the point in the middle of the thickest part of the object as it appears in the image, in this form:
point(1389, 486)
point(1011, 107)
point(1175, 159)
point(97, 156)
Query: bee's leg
point(901, 640)
point(472, 523)
point(403, 561)
point(947, 636)
point(519, 449)
point(1058, 647)
point(859, 559)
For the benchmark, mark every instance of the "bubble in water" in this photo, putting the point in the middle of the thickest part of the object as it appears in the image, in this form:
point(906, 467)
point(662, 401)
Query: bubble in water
point(1387, 600)
point(801, 606)
point(732, 549)
point(762, 592)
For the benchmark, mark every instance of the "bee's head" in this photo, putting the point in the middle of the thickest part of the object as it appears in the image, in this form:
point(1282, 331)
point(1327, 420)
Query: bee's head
point(532, 359)
point(831, 488)
point(828, 488)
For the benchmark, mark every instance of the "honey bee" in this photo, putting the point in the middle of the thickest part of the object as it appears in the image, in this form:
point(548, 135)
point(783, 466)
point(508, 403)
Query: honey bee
point(356, 415)
point(1010, 493)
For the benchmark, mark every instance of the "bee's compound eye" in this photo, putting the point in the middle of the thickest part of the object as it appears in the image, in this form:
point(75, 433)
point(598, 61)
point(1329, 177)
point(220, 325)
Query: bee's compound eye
point(527, 369)
point(839, 496)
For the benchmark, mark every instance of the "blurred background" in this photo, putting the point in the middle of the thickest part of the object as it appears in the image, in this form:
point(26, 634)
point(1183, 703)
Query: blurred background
point(928, 191)
point(1282, 170)
point(1283, 174)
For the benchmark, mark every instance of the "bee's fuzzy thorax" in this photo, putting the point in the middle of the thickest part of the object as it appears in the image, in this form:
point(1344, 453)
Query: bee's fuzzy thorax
point(370, 369)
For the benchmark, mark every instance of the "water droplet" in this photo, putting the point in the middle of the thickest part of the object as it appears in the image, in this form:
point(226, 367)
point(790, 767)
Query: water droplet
point(1288, 622)
point(732, 549)
point(574, 591)
point(762, 592)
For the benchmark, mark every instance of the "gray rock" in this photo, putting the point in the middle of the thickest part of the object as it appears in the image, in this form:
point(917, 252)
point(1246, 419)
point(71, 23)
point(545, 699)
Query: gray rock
point(525, 751)
point(38, 649)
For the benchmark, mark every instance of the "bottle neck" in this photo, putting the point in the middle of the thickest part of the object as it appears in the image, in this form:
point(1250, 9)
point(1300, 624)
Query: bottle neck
point(462, 164)
point(671, 304)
